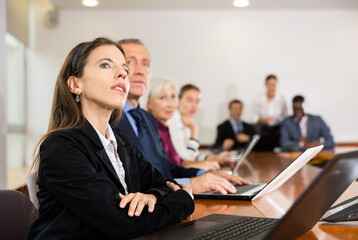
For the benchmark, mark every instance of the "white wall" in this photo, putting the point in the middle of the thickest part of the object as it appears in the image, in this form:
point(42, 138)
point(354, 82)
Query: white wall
point(227, 53)
point(2, 95)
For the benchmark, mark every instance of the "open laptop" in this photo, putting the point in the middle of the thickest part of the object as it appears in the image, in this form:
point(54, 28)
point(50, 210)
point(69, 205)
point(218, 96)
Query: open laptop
point(310, 206)
point(238, 152)
point(239, 158)
point(253, 191)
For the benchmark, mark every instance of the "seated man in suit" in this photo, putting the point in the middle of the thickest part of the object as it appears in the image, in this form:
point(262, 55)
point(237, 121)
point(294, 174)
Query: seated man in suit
point(304, 130)
point(234, 133)
point(141, 127)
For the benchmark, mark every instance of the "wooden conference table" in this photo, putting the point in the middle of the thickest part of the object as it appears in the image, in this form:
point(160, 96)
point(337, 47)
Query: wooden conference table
point(262, 167)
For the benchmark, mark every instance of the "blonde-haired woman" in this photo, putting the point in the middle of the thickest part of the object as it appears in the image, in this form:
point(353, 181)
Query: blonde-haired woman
point(162, 103)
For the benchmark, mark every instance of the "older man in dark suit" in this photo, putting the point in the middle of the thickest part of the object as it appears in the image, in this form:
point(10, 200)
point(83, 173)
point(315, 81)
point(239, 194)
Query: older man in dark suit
point(142, 129)
point(304, 130)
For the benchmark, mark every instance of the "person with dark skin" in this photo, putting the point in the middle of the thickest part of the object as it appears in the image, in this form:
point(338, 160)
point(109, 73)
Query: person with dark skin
point(303, 129)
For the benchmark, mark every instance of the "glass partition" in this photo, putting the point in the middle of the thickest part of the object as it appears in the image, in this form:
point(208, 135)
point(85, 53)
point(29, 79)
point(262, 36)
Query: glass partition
point(15, 112)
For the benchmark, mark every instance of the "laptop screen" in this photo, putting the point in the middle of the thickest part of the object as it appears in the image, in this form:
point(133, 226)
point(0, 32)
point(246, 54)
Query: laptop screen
point(325, 189)
point(246, 151)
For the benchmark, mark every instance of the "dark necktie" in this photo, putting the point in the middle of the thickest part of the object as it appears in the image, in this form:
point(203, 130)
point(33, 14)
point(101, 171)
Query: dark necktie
point(299, 128)
point(147, 143)
point(143, 136)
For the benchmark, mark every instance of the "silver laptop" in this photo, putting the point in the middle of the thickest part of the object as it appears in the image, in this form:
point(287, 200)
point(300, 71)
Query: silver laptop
point(254, 191)
point(242, 155)
point(310, 206)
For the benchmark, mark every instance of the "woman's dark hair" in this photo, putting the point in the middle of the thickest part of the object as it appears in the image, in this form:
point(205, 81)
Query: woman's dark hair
point(66, 113)
point(187, 87)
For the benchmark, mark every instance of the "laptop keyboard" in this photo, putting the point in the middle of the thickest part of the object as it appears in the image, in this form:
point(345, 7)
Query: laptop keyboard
point(244, 188)
point(243, 228)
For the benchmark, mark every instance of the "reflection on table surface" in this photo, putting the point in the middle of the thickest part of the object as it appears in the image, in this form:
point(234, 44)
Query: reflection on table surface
point(261, 168)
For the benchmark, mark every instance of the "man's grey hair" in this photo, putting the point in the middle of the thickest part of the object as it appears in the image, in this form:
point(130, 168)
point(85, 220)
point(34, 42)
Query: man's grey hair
point(131, 40)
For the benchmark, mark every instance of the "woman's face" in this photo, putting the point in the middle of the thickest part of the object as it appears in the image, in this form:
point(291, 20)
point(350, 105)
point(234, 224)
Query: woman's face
point(189, 103)
point(163, 105)
point(104, 83)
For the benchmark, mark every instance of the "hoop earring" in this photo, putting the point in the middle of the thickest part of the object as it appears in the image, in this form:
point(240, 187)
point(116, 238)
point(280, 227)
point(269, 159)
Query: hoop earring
point(77, 99)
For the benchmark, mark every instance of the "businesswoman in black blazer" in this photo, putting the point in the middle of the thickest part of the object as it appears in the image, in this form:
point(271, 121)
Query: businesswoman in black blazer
point(92, 183)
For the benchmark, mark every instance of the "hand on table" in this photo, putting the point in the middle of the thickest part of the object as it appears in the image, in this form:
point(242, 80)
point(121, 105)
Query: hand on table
point(228, 143)
point(137, 201)
point(242, 138)
point(216, 180)
point(207, 165)
point(224, 158)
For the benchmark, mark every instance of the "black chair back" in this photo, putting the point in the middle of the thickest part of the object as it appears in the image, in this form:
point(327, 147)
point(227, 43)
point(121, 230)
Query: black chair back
point(17, 213)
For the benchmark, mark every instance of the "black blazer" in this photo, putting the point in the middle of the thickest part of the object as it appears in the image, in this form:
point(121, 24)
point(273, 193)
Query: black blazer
point(79, 190)
point(225, 131)
point(159, 158)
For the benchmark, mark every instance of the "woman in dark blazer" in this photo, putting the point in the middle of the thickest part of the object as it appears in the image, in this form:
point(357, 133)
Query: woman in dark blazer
point(92, 183)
